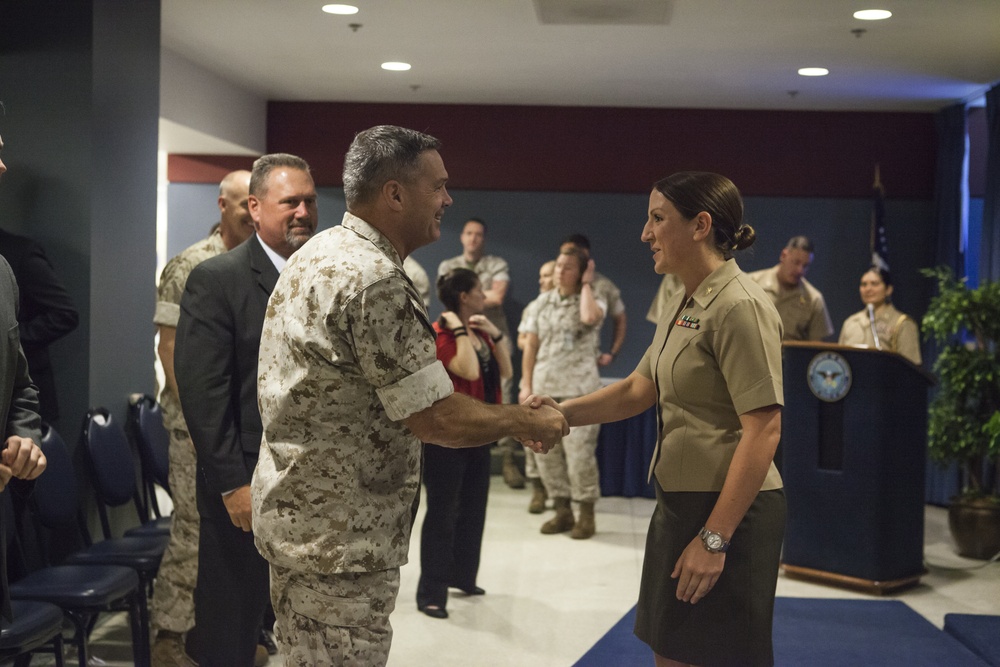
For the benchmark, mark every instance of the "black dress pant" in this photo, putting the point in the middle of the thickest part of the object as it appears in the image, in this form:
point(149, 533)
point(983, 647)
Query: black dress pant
point(457, 482)
point(232, 592)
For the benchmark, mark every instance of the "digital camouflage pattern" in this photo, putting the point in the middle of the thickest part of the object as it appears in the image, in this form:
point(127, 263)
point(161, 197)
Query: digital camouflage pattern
point(346, 353)
point(608, 292)
point(334, 620)
point(569, 470)
point(566, 364)
point(173, 605)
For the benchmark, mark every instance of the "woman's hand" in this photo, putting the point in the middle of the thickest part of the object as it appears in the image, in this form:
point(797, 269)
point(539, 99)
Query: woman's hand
point(696, 571)
point(451, 320)
point(483, 323)
point(588, 273)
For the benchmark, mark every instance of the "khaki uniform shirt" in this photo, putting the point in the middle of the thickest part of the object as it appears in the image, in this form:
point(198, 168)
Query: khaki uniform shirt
point(346, 354)
point(669, 286)
point(896, 332)
point(566, 364)
point(802, 310)
point(488, 268)
point(168, 309)
point(718, 358)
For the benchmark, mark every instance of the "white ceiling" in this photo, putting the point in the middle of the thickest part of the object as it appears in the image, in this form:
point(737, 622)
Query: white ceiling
point(705, 54)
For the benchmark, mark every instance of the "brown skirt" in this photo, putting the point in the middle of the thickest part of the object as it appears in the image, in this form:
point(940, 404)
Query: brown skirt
point(732, 624)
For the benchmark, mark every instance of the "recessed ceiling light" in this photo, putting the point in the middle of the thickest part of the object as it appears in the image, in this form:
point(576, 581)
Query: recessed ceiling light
point(814, 71)
point(345, 10)
point(396, 67)
point(872, 14)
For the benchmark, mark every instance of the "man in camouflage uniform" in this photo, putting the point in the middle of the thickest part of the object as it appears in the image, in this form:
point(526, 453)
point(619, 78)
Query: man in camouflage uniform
point(349, 385)
point(172, 612)
point(494, 276)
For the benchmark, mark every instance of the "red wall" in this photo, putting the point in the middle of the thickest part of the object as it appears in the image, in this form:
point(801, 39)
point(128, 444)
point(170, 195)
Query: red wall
point(588, 149)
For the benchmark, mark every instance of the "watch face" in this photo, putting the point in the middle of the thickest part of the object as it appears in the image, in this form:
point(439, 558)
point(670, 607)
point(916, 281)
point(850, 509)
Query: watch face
point(829, 376)
point(713, 541)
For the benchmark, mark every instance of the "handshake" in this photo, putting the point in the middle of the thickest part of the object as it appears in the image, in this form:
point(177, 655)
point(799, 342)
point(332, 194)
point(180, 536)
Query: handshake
point(544, 424)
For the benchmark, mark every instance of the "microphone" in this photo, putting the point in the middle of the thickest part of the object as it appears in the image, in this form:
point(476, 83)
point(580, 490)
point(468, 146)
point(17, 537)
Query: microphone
point(871, 321)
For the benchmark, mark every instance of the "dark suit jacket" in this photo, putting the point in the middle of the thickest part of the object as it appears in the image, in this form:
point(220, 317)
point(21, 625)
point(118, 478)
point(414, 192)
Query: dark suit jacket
point(46, 312)
point(215, 361)
point(18, 400)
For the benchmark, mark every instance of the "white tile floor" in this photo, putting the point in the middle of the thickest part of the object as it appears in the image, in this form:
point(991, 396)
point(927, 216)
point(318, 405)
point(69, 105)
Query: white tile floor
point(550, 598)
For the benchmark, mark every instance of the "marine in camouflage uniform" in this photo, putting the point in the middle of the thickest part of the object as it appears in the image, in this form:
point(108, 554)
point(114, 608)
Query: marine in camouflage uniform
point(173, 605)
point(346, 354)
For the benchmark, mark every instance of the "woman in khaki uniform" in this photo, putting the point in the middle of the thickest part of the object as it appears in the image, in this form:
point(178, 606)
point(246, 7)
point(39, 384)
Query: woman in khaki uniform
point(896, 331)
point(714, 370)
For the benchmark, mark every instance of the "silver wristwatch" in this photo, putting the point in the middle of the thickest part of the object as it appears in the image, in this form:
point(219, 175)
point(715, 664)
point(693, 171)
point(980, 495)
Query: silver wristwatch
point(713, 541)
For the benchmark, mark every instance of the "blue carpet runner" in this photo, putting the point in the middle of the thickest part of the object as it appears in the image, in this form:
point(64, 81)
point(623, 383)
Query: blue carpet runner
point(824, 633)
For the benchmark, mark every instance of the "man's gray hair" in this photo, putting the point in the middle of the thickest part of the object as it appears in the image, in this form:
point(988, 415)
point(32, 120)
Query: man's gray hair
point(264, 165)
point(381, 154)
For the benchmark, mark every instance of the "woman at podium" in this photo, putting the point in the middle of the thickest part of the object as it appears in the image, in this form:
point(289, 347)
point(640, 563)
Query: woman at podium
point(714, 372)
point(880, 325)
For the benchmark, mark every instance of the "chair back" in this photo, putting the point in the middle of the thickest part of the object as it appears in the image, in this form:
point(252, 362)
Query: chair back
point(55, 499)
point(153, 442)
point(112, 465)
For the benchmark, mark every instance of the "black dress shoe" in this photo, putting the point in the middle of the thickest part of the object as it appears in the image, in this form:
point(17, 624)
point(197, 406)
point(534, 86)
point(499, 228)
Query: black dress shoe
point(475, 590)
point(433, 611)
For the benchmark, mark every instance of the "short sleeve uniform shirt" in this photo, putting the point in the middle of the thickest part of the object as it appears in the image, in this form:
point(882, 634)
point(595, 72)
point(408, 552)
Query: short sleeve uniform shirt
point(168, 307)
point(803, 310)
point(715, 358)
point(566, 364)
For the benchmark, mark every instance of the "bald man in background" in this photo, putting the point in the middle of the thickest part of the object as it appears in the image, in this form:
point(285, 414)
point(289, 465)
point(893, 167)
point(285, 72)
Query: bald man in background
point(173, 605)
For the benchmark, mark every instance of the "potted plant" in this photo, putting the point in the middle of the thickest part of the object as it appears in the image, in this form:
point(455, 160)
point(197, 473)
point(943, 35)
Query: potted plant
point(963, 420)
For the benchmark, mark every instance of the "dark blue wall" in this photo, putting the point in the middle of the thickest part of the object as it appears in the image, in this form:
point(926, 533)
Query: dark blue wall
point(526, 228)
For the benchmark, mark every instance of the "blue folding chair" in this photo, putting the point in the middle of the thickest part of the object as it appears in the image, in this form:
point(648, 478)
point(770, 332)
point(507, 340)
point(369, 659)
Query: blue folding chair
point(37, 626)
point(81, 592)
point(112, 469)
point(55, 507)
point(153, 442)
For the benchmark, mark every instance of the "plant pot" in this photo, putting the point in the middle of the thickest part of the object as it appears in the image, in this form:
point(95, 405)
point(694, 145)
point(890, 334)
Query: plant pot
point(975, 527)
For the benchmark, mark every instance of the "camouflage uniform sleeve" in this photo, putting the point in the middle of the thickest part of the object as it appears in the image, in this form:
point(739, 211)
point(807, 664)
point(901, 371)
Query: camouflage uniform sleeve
point(395, 349)
point(500, 270)
point(168, 294)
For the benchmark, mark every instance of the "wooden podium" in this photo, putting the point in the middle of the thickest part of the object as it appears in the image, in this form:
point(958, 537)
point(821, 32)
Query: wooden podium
point(853, 455)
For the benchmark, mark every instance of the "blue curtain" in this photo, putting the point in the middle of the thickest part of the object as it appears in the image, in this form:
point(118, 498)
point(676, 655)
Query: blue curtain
point(989, 251)
point(949, 199)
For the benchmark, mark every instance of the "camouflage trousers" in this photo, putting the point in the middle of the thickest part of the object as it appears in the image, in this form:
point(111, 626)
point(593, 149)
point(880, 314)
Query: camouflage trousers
point(334, 619)
point(569, 470)
point(172, 606)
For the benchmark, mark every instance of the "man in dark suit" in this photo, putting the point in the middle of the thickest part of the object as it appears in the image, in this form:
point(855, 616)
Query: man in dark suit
point(215, 363)
point(21, 459)
point(46, 313)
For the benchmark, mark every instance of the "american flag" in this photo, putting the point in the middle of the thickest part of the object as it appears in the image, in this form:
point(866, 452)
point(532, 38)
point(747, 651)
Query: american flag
point(878, 244)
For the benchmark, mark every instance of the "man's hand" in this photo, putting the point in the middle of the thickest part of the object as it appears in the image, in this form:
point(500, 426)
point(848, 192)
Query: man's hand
point(23, 458)
point(238, 505)
point(547, 427)
point(605, 359)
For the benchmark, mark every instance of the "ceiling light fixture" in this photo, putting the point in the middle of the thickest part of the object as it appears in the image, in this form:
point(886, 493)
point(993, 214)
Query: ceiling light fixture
point(396, 67)
point(343, 10)
point(872, 14)
point(813, 71)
